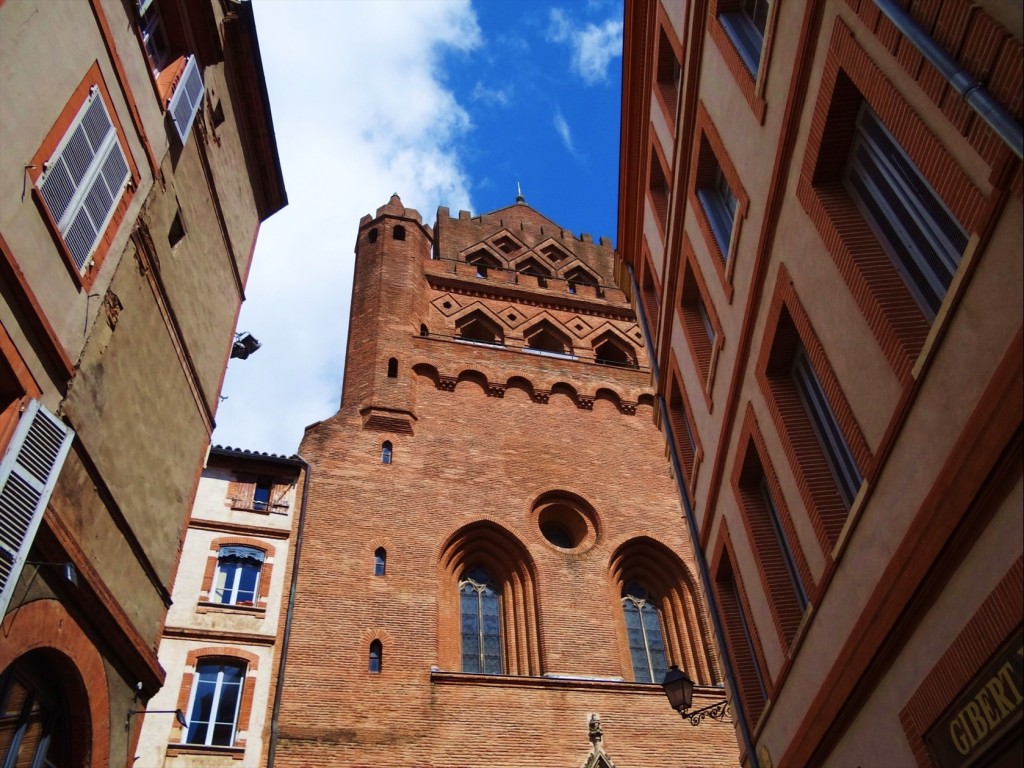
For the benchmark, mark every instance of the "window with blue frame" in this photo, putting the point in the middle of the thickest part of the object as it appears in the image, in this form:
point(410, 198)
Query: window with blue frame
point(481, 623)
point(643, 630)
point(213, 709)
point(746, 26)
point(237, 578)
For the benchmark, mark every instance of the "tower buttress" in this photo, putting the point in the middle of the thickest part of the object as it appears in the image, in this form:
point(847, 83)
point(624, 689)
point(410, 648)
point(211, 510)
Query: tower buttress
point(387, 284)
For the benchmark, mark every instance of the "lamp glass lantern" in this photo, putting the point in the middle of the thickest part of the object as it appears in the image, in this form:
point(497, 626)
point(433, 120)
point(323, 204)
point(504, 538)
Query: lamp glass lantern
point(678, 688)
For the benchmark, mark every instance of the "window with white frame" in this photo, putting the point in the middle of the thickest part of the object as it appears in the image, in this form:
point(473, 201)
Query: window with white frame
point(922, 238)
point(85, 178)
point(214, 704)
point(237, 578)
point(719, 204)
point(826, 427)
point(745, 26)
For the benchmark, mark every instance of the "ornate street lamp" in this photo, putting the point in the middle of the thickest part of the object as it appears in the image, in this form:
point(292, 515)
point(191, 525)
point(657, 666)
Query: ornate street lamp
point(679, 688)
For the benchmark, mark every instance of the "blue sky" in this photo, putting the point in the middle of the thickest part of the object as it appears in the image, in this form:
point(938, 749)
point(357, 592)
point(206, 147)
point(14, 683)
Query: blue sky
point(446, 103)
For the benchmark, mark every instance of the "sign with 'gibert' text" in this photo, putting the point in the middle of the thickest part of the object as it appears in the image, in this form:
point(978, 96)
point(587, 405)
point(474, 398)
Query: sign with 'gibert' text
point(986, 709)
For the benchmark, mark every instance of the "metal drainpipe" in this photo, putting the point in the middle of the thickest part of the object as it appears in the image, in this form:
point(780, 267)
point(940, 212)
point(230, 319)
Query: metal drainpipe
point(963, 82)
point(691, 522)
point(272, 749)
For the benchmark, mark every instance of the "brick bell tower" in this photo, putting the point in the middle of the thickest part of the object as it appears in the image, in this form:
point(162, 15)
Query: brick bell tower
point(494, 571)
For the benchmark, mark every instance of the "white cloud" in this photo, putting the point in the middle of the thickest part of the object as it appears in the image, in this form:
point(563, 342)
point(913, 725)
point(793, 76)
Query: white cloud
point(562, 127)
point(593, 46)
point(494, 96)
point(360, 111)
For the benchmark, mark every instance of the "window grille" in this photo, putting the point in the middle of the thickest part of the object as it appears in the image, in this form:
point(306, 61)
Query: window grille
point(922, 238)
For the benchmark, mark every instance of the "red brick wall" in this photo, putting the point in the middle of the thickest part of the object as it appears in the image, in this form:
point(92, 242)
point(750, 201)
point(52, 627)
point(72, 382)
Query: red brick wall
point(494, 434)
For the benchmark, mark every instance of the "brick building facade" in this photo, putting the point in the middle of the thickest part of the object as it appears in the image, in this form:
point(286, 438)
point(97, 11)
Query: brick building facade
point(825, 239)
point(139, 161)
point(487, 513)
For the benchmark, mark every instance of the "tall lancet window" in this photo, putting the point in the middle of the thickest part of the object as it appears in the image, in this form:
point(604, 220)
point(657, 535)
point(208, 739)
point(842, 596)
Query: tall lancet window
point(643, 627)
point(481, 623)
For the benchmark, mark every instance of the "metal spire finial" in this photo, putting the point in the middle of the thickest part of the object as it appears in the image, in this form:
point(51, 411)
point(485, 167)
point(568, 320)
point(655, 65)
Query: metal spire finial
point(519, 194)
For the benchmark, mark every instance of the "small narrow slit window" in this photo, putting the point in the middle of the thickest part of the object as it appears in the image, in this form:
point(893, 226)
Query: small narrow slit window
point(177, 231)
point(386, 452)
point(376, 657)
point(392, 368)
point(380, 561)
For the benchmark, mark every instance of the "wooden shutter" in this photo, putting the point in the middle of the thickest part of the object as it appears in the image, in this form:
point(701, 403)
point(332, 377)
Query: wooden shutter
point(187, 98)
point(241, 491)
point(28, 473)
point(83, 182)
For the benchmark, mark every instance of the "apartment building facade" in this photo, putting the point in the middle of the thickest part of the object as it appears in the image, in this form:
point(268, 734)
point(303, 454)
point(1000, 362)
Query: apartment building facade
point(824, 237)
point(138, 163)
point(220, 644)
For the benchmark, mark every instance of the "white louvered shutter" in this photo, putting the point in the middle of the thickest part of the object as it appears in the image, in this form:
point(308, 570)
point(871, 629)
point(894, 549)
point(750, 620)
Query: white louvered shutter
point(28, 473)
point(143, 5)
point(187, 98)
point(83, 182)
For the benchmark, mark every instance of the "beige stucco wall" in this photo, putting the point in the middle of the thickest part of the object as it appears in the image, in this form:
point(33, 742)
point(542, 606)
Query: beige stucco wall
point(213, 518)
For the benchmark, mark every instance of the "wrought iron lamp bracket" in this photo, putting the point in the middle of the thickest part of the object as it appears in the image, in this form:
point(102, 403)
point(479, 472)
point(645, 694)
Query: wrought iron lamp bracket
point(717, 711)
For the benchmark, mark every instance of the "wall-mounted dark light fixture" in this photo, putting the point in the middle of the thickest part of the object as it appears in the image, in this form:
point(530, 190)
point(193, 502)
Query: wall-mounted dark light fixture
point(67, 570)
point(178, 715)
point(678, 688)
point(245, 344)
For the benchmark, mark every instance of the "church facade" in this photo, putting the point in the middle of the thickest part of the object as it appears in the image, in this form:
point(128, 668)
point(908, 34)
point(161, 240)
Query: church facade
point(494, 571)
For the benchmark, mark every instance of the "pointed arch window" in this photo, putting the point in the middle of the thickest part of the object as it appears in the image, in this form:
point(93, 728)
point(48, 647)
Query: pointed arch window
point(643, 628)
point(376, 657)
point(386, 452)
point(380, 561)
point(481, 623)
point(238, 575)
